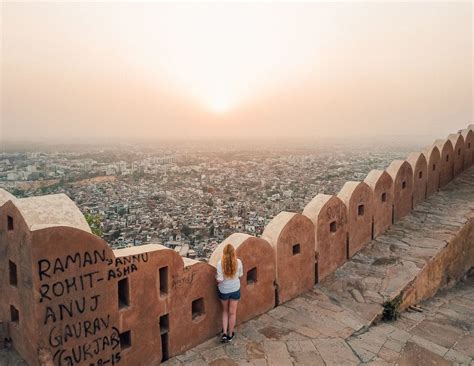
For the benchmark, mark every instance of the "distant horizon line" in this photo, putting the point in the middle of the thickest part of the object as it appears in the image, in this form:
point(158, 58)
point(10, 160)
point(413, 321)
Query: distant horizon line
point(107, 140)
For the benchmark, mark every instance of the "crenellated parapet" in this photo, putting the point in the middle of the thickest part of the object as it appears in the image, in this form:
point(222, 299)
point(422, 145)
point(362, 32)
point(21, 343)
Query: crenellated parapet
point(329, 216)
point(446, 150)
point(433, 158)
point(257, 283)
point(69, 299)
point(468, 136)
point(457, 140)
point(291, 236)
point(381, 184)
point(402, 175)
point(419, 166)
point(358, 199)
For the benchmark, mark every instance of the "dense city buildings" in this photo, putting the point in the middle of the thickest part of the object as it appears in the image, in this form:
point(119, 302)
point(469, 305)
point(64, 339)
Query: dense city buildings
point(190, 196)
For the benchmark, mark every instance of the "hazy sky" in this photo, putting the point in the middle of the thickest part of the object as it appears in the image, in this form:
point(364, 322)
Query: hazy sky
point(161, 70)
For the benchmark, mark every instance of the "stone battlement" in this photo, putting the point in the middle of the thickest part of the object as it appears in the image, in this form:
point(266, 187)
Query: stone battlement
point(69, 299)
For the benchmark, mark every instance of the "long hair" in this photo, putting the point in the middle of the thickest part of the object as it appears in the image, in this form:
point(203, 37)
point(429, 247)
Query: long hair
point(229, 261)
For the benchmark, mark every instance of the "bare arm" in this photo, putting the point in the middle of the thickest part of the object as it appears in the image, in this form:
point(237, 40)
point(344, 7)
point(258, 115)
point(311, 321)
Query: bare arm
point(240, 269)
point(219, 275)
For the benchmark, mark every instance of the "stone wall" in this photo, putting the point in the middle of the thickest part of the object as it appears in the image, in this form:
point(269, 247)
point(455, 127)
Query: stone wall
point(69, 299)
point(446, 269)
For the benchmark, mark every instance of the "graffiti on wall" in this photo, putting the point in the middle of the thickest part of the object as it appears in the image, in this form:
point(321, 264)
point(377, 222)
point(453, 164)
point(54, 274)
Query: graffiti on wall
point(80, 330)
point(336, 213)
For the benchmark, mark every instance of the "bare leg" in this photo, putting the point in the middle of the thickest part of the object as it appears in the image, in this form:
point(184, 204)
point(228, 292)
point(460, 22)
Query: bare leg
point(225, 315)
point(232, 315)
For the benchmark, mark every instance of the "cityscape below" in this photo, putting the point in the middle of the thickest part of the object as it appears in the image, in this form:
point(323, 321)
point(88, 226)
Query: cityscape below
point(190, 196)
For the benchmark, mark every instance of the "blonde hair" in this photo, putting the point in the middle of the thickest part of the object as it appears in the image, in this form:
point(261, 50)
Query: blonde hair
point(229, 261)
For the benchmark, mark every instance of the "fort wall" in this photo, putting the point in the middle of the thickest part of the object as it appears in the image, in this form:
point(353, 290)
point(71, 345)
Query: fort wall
point(69, 299)
point(447, 268)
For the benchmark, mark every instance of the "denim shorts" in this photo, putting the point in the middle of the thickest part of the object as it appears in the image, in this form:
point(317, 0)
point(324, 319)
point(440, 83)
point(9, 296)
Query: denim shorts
point(230, 296)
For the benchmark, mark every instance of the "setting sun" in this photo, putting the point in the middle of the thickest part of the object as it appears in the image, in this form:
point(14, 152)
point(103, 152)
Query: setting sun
point(219, 104)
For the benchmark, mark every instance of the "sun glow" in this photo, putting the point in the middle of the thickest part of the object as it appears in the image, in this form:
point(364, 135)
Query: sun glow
point(219, 104)
point(191, 69)
point(204, 53)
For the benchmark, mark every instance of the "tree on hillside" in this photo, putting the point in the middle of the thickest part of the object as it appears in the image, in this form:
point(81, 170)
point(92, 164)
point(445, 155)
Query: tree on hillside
point(186, 230)
point(94, 223)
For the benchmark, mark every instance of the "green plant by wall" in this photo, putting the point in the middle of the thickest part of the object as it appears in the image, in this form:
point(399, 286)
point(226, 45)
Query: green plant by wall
point(94, 223)
point(391, 309)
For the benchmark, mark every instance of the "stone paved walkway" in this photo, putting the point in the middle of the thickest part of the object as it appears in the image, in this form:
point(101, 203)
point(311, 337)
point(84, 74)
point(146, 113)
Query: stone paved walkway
point(333, 323)
point(443, 334)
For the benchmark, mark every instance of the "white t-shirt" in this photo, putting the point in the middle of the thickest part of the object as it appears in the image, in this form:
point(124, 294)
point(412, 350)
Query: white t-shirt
point(229, 285)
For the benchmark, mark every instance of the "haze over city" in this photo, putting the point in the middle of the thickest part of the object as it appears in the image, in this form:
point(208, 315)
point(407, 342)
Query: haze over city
point(100, 71)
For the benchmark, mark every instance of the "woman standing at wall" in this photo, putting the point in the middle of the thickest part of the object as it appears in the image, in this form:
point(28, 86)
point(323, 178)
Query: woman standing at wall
point(229, 270)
